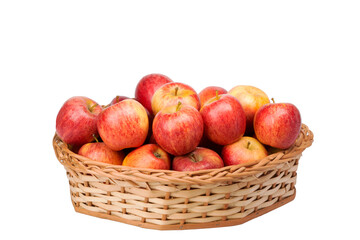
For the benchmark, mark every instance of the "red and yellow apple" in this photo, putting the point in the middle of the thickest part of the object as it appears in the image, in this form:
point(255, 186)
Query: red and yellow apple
point(178, 129)
point(98, 151)
point(148, 156)
point(123, 125)
point(171, 93)
point(244, 150)
point(210, 92)
point(224, 119)
point(76, 121)
point(199, 159)
point(146, 88)
point(277, 124)
point(251, 99)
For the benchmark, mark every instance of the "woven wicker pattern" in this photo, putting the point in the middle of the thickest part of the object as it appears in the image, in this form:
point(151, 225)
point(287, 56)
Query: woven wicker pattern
point(177, 200)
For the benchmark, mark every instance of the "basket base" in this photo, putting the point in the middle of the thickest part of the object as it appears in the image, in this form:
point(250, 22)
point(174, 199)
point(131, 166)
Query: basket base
point(190, 226)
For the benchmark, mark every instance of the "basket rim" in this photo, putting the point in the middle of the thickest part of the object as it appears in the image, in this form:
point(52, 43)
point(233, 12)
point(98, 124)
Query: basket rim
point(80, 163)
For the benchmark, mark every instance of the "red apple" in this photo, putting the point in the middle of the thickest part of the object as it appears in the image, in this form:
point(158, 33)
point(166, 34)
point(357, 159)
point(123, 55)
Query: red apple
point(146, 88)
point(76, 120)
point(148, 156)
point(123, 125)
point(171, 93)
point(277, 124)
point(244, 150)
point(117, 99)
point(210, 92)
point(178, 129)
point(251, 99)
point(99, 152)
point(199, 159)
point(224, 119)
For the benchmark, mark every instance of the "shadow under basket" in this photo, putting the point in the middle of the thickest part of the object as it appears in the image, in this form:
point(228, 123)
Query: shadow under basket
point(167, 199)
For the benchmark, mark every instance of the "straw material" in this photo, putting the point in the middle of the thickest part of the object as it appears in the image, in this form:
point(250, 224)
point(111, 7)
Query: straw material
point(167, 199)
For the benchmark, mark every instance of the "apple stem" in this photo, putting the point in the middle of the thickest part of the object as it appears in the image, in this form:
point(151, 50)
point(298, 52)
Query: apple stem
point(178, 106)
point(193, 157)
point(95, 138)
point(272, 99)
point(176, 90)
point(248, 145)
point(91, 108)
point(117, 99)
point(217, 95)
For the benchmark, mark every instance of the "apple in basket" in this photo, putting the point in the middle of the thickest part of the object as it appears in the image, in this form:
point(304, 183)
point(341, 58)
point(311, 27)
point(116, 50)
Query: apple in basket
point(171, 93)
point(199, 159)
point(251, 99)
point(148, 156)
point(244, 150)
point(98, 151)
point(146, 88)
point(123, 125)
point(224, 119)
point(277, 124)
point(76, 121)
point(178, 129)
point(210, 92)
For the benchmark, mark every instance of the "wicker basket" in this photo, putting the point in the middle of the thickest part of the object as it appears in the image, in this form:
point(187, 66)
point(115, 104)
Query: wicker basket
point(166, 199)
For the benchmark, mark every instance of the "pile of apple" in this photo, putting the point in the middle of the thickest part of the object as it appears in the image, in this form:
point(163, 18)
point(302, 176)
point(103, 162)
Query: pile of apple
point(169, 126)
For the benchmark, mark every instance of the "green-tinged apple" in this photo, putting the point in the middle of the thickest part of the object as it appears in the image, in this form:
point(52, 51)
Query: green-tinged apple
point(123, 125)
point(146, 88)
point(98, 151)
point(148, 156)
point(251, 99)
point(224, 119)
point(76, 121)
point(178, 129)
point(277, 124)
point(171, 93)
point(244, 150)
point(199, 159)
point(210, 92)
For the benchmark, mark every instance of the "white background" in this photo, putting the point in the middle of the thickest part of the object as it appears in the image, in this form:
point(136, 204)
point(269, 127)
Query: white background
point(303, 52)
